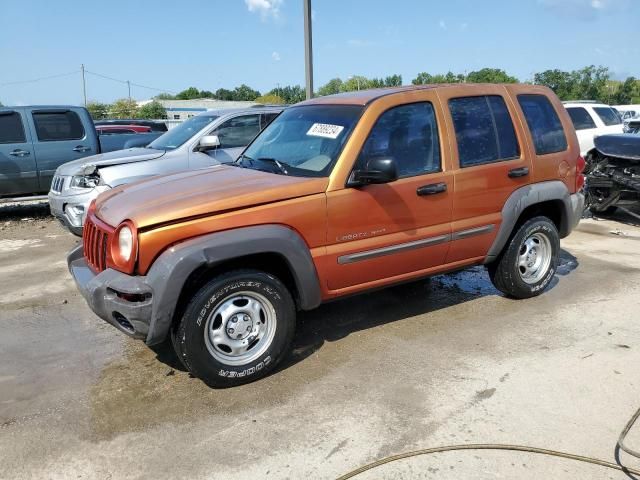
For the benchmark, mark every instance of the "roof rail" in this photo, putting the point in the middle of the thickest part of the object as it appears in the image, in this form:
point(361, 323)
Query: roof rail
point(581, 101)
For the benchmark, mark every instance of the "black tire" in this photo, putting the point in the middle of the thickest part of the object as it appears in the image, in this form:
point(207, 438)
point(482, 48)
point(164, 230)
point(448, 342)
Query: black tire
point(202, 358)
point(505, 272)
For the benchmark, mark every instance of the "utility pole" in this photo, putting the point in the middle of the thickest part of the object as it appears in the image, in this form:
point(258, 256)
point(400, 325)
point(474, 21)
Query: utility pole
point(129, 87)
point(84, 85)
point(308, 48)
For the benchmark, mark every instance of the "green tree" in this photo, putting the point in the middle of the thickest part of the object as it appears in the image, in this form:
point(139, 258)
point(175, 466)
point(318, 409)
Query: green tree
point(224, 94)
point(270, 99)
point(245, 93)
point(393, 81)
point(152, 110)
point(124, 108)
point(425, 78)
point(332, 87)
point(1, 104)
point(98, 110)
point(490, 75)
point(290, 94)
point(356, 82)
point(188, 94)
point(590, 83)
point(165, 96)
point(559, 81)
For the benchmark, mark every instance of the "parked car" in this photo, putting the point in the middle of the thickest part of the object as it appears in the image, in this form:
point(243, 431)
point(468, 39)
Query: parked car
point(121, 129)
point(591, 119)
point(338, 195)
point(203, 140)
point(632, 126)
point(154, 125)
point(613, 173)
point(35, 140)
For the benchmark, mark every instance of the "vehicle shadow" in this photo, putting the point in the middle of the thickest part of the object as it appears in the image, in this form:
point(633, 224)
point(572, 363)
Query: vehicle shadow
point(341, 318)
point(620, 216)
point(21, 211)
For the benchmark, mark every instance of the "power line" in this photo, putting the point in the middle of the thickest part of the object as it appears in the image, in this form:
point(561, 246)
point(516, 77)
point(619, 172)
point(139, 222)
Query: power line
point(34, 80)
point(127, 82)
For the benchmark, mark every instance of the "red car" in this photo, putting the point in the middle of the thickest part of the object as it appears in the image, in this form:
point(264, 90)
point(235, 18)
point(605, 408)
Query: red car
point(117, 129)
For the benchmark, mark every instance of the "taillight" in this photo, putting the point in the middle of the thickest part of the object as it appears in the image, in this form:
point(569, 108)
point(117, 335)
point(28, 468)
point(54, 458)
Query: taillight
point(580, 166)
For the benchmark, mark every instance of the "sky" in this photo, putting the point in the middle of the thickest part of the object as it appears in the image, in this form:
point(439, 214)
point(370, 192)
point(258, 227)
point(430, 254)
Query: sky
point(209, 44)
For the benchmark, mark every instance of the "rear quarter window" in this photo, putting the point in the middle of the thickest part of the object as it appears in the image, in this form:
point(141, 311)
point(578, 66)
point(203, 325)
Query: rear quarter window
point(608, 116)
point(544, 124)
point(581, 118)
point(11, 129)
point(484, 130)
point(57, 126)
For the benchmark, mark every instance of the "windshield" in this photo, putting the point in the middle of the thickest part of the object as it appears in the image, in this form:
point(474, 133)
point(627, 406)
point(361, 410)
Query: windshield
point(178, 135)
point(303, 141)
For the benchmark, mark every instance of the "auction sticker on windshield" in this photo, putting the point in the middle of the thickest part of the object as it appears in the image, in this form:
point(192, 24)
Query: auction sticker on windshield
point(325, 130)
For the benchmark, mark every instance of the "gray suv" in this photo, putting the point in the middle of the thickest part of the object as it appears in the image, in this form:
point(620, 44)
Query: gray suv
point(210, 138)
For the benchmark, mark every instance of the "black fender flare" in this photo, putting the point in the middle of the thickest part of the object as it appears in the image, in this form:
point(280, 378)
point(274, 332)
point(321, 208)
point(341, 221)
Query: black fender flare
point(524, 197)
point(173, 267)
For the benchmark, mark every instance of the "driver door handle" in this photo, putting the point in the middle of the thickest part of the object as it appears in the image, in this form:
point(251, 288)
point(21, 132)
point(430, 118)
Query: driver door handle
point(431, 189)
point(20, 153)
point(81, 148)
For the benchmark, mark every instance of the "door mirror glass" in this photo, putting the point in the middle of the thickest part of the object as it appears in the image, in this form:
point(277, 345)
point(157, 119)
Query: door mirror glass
point(208, 142)
point(377, 170)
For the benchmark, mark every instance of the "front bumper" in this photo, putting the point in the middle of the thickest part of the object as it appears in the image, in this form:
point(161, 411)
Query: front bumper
point(71, 210)
point(124, 301)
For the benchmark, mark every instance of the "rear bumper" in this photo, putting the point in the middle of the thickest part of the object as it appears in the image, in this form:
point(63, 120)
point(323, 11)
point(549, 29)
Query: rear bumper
point(575, 210)
point(104, 294)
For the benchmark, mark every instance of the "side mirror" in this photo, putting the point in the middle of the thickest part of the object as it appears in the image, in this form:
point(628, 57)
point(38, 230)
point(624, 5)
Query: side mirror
point(378, 170)
point(208, 142)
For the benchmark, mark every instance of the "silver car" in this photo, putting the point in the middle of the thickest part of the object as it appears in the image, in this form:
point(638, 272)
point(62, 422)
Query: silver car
point(206, 139)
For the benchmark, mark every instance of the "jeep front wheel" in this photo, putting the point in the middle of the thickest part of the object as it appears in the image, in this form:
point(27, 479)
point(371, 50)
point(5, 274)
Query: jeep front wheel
point(528, 263)
point(236, 328)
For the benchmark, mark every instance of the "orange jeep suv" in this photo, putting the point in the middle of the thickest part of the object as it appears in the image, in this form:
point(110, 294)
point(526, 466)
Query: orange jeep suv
point(338, 195)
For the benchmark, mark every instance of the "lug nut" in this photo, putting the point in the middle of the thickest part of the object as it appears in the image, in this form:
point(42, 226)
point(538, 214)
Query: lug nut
point(234, 319)
point(231, 330)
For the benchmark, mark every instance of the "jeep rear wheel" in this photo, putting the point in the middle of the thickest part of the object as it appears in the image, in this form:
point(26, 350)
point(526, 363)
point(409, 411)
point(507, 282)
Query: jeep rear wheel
point(236, 328)
point(528, 263)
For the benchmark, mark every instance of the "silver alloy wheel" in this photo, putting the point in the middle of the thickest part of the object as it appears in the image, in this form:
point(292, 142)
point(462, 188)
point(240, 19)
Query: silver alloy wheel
point(534, 258)
point(240, 328)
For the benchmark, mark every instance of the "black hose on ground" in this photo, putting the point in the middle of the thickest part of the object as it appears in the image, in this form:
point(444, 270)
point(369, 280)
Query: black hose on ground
point(516, 448)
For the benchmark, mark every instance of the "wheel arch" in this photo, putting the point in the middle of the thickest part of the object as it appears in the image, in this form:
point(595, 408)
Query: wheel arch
point(551, 199)
point(181, 270)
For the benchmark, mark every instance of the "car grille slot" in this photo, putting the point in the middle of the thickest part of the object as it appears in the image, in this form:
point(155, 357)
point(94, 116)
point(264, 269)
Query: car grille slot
point(95, 241)
point(57, 184)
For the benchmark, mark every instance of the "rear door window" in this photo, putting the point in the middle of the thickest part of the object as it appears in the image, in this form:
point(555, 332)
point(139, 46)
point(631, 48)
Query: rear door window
point(544, 124)
point(11, 128)
point(484, 130)
point(581, 118)
point(238, 131)
point(57, 126)
point(608, 116)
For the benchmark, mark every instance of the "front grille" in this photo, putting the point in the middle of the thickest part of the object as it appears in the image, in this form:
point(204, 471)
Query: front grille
point(95, 240)
point(57, 184)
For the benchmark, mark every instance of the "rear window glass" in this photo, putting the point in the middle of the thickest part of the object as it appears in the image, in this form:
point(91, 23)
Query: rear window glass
point(608, 116)
point(581, 118)
point(11, 129)
point(544, 124)
point(484, 130)
point(52, 126)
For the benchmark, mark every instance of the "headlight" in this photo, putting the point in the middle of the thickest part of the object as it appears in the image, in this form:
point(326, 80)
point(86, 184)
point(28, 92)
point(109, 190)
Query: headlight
point(125, 243)
point(85, 181)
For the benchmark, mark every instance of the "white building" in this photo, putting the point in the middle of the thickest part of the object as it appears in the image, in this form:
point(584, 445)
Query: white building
point(182, 109)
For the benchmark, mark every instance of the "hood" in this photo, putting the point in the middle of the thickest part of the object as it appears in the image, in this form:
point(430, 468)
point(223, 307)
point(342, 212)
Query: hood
point(87, 164)
point(194, 193)
point(626, 145)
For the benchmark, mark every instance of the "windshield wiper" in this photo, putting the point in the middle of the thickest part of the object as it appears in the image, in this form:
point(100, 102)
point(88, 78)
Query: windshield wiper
point(282, 167)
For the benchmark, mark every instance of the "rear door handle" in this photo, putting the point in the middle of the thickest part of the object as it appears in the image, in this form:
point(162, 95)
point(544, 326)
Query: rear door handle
point(81, 148)
point(518, 172)
point(431, 189)
point(20, 153)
